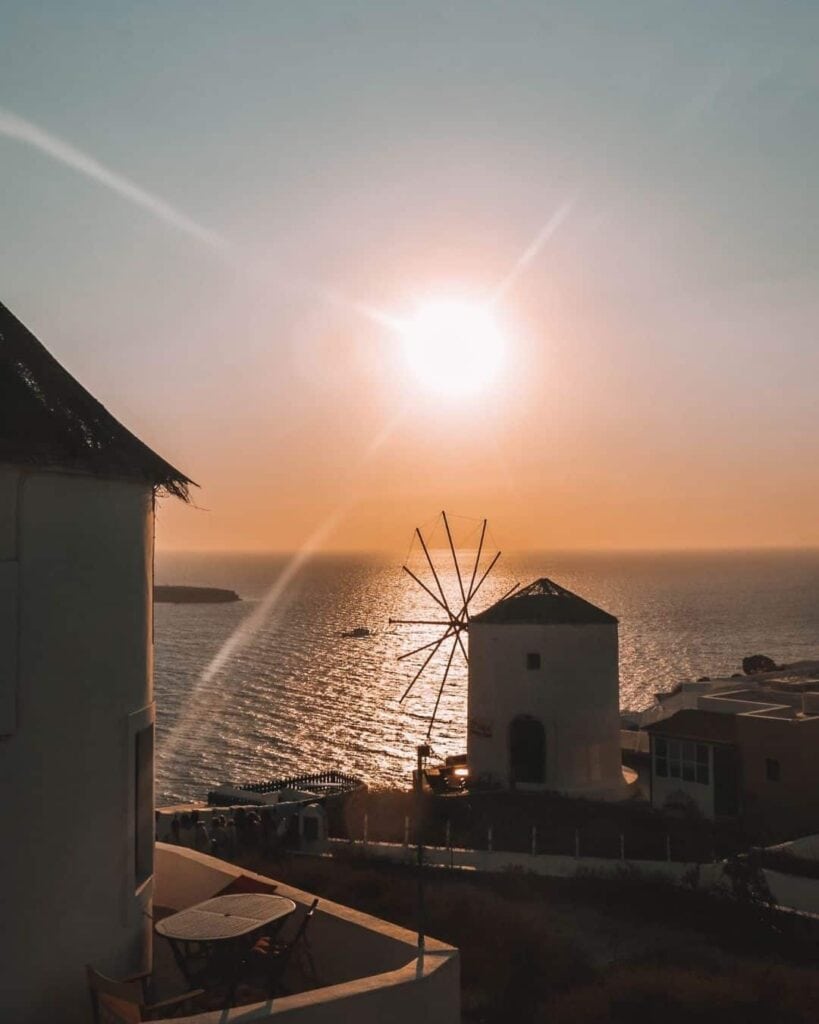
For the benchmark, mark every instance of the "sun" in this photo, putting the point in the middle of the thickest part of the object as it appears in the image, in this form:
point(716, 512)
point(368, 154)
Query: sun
point(453, 348)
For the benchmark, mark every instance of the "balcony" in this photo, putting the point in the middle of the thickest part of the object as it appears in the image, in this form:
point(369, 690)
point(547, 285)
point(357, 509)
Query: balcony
point(368, 970)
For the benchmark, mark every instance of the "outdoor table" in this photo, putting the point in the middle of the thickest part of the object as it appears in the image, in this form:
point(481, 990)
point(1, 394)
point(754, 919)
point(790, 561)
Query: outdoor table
point(224, 919)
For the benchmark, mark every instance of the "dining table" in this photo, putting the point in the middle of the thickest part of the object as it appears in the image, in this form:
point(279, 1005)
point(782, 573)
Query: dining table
point(222, 928)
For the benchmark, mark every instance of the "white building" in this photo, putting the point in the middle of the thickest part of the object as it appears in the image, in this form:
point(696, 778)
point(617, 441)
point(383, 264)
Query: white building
point(544, 694)
point(81, 875)
point(76, 695)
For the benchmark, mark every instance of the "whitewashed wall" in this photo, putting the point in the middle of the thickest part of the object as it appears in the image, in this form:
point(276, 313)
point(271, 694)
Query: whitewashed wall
point(575, 694)
point(75, 684)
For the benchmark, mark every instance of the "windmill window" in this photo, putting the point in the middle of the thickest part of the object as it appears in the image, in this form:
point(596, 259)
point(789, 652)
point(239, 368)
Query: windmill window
point(772, 770)
point(533, 661)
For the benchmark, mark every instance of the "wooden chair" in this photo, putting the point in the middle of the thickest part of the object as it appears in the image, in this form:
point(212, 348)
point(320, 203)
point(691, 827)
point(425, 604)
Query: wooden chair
point(123, 1002)
point(271, 959)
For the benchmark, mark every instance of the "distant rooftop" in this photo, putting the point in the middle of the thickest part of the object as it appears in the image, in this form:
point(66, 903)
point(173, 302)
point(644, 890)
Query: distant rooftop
point(545, 602)
point(763, 703)
point(692, 724)
point(48, 419)
point(715, 720)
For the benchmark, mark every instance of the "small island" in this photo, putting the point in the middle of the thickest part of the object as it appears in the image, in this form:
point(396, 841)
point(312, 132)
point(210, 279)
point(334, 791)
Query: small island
point(194, 595)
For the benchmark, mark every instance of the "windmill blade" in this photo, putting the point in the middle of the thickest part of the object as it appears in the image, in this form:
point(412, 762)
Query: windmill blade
point(434, 573)
point(409, 654)
point(465, 608)
point(453, 620)
point(461, 645)
point(420, 622)
point(454, 630)
point(509, 592)
point(423, 586)
point(454, 556)
point(486, 573)
point(477, 563)
point(417, 675)
point(457, 617)
point(440, 691)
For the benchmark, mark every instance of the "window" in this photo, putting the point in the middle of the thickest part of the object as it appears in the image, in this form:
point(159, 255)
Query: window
point(772, 769)
point(144, 804)
point(533, 661)
point(686, 760)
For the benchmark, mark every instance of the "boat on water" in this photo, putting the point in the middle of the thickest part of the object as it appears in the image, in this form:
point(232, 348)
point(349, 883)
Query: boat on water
point(193, 595)
point(358, 633)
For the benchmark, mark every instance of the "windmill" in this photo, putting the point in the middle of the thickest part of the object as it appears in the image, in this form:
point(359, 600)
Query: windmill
point(452, 621)
point(453, 615)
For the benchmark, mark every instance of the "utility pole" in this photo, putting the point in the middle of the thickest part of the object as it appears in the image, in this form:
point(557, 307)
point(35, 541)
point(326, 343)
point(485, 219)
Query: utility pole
point(423, 750)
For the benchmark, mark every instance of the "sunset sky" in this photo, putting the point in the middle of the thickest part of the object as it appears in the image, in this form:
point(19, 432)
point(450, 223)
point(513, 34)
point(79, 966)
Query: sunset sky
point(221, 218)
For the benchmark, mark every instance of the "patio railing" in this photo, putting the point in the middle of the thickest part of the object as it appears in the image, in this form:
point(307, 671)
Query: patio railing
point(328, 783)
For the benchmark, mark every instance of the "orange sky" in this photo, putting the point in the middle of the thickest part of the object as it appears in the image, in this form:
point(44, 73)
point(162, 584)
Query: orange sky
point(198, 199)
point(605, 427)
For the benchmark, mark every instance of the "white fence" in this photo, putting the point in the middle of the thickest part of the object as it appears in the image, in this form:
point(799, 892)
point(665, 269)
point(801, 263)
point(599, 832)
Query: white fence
point(789, 891)
point(552, 865)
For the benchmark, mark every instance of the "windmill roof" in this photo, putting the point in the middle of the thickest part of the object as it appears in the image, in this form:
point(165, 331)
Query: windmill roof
point(544, 602)
point(47, 418)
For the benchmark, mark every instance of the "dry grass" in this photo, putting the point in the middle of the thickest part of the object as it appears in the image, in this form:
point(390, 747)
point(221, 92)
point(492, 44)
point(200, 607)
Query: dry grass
point(674, 994)
point(582, 950)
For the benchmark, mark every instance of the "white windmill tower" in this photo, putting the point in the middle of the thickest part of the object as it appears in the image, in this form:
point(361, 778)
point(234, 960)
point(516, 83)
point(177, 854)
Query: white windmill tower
point(544, 709)
point(543, 669)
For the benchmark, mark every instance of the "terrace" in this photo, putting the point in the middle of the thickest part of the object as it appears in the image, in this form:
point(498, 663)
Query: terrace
point(366, 968)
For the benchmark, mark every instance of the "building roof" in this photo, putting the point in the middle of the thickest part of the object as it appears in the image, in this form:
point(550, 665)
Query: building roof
point(763, 703)
point(693, 724)
point(48, 419)
point(544, 603)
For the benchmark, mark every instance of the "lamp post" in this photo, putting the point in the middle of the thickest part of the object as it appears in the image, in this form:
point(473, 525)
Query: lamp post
point(423, 750)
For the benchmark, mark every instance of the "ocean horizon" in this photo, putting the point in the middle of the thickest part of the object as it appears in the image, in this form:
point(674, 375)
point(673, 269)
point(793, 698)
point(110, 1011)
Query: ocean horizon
point(268, 686)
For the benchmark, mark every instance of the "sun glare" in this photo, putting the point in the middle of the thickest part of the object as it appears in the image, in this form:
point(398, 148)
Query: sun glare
point(453, 348)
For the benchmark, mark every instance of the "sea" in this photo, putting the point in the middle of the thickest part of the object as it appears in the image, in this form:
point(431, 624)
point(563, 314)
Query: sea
point(269, 686)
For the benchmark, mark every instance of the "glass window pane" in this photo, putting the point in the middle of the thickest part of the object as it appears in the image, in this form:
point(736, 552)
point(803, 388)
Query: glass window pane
point(702, 754)
point(702, 774)
point(688, 771)
point(660, 746)
point(661, 767)
point(674, 769)
point(689, 751)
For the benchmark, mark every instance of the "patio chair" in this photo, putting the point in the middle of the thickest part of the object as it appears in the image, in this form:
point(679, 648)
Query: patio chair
point(270, 959)
point(124, 1002)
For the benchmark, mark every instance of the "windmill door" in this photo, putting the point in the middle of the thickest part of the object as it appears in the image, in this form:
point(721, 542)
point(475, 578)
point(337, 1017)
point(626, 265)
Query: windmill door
point(527, 751)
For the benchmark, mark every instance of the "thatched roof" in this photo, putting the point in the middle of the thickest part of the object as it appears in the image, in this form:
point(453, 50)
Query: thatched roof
point(48, 419)
point(545, 603)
